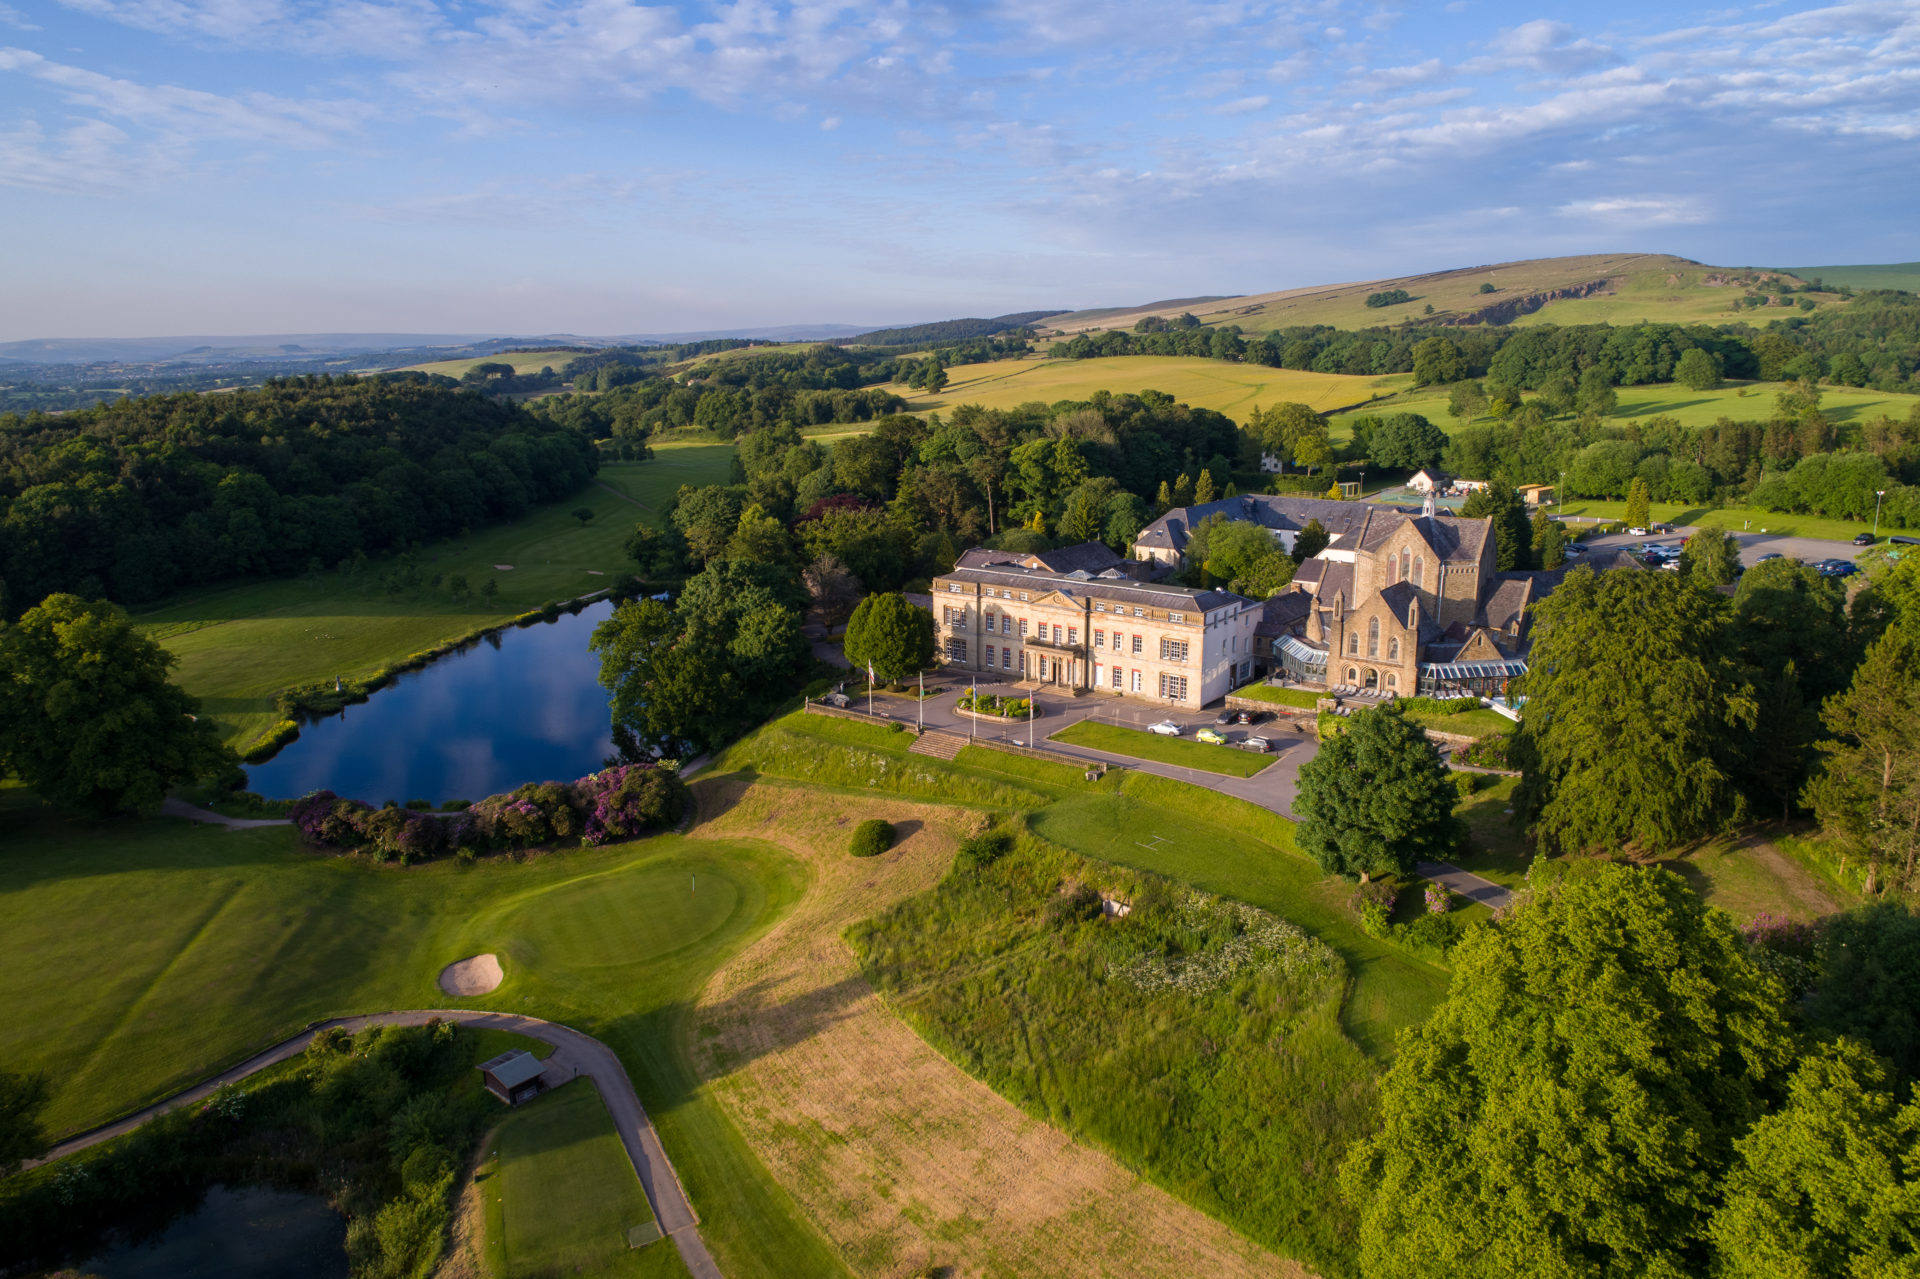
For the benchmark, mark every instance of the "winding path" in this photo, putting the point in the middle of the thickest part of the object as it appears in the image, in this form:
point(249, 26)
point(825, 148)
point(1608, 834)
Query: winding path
point(576, 1055)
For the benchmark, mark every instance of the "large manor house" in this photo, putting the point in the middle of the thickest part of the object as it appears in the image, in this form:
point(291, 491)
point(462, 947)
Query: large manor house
point(1399, 602)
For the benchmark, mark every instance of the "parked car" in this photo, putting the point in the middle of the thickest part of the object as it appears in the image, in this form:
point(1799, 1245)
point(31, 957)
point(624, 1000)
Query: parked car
point(1637, 532)
point(1256, 744)
point(1166, 728)
point(1770, 555)
point(1863, 539)
point(1576, 548)
point(1213, 735)
point(1225, 717)
point(1669, 566)
point(1839, 568)
point(1250, 717)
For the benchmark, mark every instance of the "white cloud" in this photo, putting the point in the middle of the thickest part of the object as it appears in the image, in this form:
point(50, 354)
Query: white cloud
point(1242, 106)
point(1638, 210)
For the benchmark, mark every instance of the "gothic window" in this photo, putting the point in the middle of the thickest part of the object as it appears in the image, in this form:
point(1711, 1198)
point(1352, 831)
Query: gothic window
point(1420, 571)
point(1393, 681)
point(1405, 555)
point(1373, 637)
point(1393, 650)
point(1353, 644)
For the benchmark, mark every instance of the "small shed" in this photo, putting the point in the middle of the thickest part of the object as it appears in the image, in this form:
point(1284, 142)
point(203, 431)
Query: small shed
point(514, 1076)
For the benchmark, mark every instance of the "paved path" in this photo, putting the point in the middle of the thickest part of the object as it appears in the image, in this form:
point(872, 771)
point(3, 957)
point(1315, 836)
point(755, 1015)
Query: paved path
point(181, 808)
point(1272, 788)
point(622, 496)
point(575, 1056)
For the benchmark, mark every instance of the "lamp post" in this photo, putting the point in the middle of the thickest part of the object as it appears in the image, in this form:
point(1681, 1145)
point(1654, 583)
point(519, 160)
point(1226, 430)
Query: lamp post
point(1877, 495)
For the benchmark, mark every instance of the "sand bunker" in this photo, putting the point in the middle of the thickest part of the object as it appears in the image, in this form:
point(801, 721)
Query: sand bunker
point(477, 976)
point(504, 568)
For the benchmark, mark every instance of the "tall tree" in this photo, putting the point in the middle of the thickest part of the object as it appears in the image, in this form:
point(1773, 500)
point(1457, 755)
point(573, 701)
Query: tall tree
point(1791, 634)
point(88, 717)
point(1634, 704)
point(1310, 541)
point(1571, 1107)
point(1377, 798)
point(1638, 504)
point(1407, 441)
point(1549, 540)
point(1829, 1184)
point(893, 634)
point(1869, 970)
point(1711, 557)
point(833, 587)
point(1696, 370)
point(1868, 791)
point(1513, 535)
point(1437, 361)
point(1596, 396)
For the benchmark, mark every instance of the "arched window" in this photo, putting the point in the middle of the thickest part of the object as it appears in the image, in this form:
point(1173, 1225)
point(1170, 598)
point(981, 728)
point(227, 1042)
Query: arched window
point(1373, 637)
point(1393, 681)
point(1393, 649)
point(1353, 643)
point(1393, 570)
point(1373, 678)
point(1405, 555)
point(1419, 571)
point(1353, 675)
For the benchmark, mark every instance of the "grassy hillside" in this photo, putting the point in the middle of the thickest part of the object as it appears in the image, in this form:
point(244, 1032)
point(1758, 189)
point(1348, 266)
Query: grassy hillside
point(1631, 287)
point(240, 644)
point(1889, 275)
point(1233, 389)
point(522, 361)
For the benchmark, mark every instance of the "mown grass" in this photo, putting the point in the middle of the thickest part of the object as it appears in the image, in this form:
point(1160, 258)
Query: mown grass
point(1499, 849)
point(153, 953)
point(1196, 1039)
point(1070, 777)
point(1233, 389)
point(1477, 723)
point(1228, 761)
point(1300, 698)
point(522, 362)
point(561, 1194)
point(829, 751)
point(1735, 519)
point(239, 645)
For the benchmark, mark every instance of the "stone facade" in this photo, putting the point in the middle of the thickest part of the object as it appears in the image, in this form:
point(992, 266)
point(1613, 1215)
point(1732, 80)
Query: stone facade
point(1094, 627)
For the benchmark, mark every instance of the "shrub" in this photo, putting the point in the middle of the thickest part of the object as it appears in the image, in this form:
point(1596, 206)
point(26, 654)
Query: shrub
point(871, 838)
point(1076, 906)
point(983, 850)
point(1439, 900)
point(1487, 752)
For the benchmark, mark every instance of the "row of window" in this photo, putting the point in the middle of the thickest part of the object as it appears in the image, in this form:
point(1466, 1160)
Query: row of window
point(1406, 567)
point(1373, 642)
point(955, 588)
point(1122, 680)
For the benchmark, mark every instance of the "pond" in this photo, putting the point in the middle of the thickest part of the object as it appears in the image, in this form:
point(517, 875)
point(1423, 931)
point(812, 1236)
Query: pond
point(237, 1232)
point(522, 706)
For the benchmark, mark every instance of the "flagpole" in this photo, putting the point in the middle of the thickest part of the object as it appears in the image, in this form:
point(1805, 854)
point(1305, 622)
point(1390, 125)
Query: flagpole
point(973, 720)
point(869, 688)
point(920, 708)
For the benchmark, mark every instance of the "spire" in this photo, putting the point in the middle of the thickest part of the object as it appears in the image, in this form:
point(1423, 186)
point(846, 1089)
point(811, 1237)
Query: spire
point(1429, 508)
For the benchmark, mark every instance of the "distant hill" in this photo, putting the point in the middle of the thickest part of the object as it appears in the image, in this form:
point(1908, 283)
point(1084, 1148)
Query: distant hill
point(209, 350)
point(948, 330)
point(1891, 275)
point(1618, 288)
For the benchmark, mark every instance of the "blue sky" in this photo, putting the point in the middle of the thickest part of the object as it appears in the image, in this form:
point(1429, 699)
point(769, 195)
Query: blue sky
point(604, 166)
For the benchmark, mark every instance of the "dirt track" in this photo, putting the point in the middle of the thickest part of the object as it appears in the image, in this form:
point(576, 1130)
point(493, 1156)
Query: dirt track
point(898, 1156)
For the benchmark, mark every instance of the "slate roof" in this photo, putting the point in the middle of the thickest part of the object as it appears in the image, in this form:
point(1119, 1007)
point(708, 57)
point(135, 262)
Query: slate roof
point(1282, 612)
point(1086, 586)
point(1273, 511)
point(1091, 557)
point(1450, 537)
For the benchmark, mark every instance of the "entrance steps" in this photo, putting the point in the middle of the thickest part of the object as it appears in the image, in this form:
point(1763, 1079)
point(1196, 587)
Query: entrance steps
point(938, 745)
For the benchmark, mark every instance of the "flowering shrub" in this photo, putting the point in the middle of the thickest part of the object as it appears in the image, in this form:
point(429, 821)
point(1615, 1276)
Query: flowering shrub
point(1374, 902)
point(618, 803)
point(1787, 948)
point(992, 704)
point(1439, 900)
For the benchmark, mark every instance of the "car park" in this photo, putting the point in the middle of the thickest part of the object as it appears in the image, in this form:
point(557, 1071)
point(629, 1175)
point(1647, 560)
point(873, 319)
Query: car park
point(1226, 717)
point(1213, 735)
point(1166, 728)
point(1770, 555)
point(1838, 568)
point(1256, 744)
point(1637, 532)
point(1863, 539)
point(1250, 717)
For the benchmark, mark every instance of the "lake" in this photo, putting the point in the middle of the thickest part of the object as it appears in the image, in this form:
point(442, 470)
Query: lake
point(237, 1232)
point(522, 706)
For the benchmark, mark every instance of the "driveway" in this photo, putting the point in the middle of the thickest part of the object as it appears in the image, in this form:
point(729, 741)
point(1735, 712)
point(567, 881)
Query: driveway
point(575, 1056)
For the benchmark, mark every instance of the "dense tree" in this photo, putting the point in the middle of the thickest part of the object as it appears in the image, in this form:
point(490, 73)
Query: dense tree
point(1548, 540)
point(834, 589)
point(88, 717)
point(1828, 1185)
point(22, 1137)
point(1634, 704)
point(1310, 541)
point(1596, 396)
point(1291, 432)
point(1377, 798)
point(707, 518)
point(1438, 361)
point(760, 538)
point(892, 634)
point(1407, 441)
point(1711, 557)
point(1513, 535)
point(1572, 1106)
point(658, 552)
point(1466, 401)
point(1791, 632)
point(1697, 370)
point(1638, 513)
point(1869, 971)
point(1868, 791)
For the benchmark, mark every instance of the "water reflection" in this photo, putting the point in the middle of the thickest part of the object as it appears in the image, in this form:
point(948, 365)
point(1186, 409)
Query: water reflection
point(525, 707)
point(245, 1232)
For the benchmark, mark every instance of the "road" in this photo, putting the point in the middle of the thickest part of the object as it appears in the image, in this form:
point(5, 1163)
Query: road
point(575, 1056)
point(1273, 788)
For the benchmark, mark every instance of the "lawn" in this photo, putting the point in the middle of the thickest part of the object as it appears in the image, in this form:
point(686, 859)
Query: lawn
point(1500, 849)
point(158, 951)
point(1233, 389)
point(561, 1194)
point(1299, 698)
point(1737, 519)
point(238, 645)
point(1229, 761)
point(1390, 989)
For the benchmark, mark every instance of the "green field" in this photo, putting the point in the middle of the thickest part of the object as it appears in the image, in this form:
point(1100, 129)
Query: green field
point(1738, 519)
point(1886, 275)
point(1233, 389)
point(163, 951)
point(561, 1195)
point(238, 645)
point(1229, 761)
point(522, 362)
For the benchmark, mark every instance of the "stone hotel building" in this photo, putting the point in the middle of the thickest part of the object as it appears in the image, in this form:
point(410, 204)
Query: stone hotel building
point(1081, 618)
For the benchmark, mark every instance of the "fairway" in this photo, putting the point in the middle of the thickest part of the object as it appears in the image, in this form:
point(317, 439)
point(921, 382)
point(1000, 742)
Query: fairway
point(238, 645)
point(1735, 519)
point(1233, 389)
point(1228, 761)
point(171, 950)
point(562, 1197)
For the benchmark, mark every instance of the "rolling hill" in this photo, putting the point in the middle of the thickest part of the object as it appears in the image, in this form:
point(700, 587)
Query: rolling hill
point(1888, 275)
point(1618, 288)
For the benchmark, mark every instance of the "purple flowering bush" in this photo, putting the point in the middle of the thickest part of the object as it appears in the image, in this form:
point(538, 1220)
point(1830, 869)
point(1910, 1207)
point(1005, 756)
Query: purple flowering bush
point(1439, 900)
point(619, 803)
point(1787, 948)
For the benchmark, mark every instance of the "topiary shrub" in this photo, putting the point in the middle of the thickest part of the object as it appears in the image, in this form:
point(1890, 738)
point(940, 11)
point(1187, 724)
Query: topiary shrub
point(871, 838)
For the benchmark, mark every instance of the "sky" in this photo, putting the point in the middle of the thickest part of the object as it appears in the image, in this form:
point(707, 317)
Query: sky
point(608, 167)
